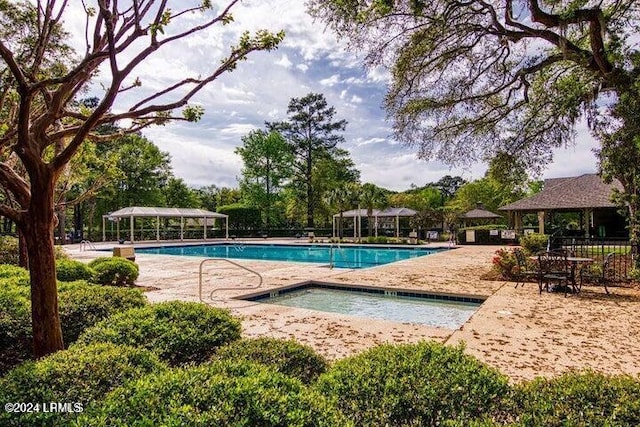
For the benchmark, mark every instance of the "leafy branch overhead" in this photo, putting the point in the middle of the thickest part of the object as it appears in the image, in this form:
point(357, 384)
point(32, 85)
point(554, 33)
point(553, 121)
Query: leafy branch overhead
point(469, 79)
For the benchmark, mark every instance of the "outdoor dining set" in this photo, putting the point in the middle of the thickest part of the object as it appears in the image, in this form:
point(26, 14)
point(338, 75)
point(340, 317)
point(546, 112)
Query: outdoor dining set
point(560, 270)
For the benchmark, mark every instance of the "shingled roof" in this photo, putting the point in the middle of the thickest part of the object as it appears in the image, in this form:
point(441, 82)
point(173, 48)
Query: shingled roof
point(479, 213)
point(578, 192)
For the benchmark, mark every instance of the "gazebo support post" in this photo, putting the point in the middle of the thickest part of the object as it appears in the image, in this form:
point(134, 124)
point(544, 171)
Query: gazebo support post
point(104, 231)
point(227, 227)
point(376, 225)
point(397, 227)
point(541, 222)
point(131, 228)
point(204, 228)
point(158, 228)
point(181, 228)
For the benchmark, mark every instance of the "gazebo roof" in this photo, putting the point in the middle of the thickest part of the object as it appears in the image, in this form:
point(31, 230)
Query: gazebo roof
point(389, 212)
point(578, 192)
point(138, 211)
point(479, 213)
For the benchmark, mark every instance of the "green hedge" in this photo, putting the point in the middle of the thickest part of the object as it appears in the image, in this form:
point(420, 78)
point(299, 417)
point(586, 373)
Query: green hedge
point(180, 332)
point(115, 271)
point(218, 394)
point(9, 253)
point(81, 376)
point(417, 384)
point(69, 270)
point(533, 243)
point(578, 399)
point(287, 357)
point(13, 275)
point(80, 305)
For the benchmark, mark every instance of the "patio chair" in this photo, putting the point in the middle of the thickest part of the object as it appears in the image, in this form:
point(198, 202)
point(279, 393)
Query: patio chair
point(554, 271)
point(523, 269)
point(601, 273)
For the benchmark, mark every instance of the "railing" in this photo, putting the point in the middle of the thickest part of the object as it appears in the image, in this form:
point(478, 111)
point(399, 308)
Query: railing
point(221, 289)
point(87, 245)
point(598, 249)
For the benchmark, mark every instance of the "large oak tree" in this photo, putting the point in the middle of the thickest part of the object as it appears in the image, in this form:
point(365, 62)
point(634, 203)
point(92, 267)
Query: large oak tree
point(470, 79)
point(43, 126)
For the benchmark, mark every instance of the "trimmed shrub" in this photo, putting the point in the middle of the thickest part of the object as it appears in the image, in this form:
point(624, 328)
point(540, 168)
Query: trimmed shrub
point(69, 270)
point(505, 264)
point(9, 253)
point(14, 275)
point(97, 261)
point(80, 305)
point(180, 332)
point(60, 253)
point(287, 357)
point(579, 399)
point(83, 305)
point(218, 394)
point(533, 243)
point(82, 375)
point(15, 326)
point(115, 271)
point(417, 384)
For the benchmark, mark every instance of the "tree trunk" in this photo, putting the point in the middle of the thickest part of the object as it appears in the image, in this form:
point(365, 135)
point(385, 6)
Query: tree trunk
point(23, 255)
point(37, 227)
point(634, 234)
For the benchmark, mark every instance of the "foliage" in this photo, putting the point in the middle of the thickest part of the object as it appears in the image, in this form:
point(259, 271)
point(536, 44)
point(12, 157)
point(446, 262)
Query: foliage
point(70, 270)
point(417, 384)
point(505, 264)
point(378, 240)
point(241, 216)
point(9, 250)
point(178, 195)
point(80, 375)
point(221, 394)
point(267, 166)
point(287, 357)
point(312, 135)
point(13, 275)
point(533, 243)
point(97, 261)
point(81, 306)
point(116, 271)
point(578, 398)
point(179, 332)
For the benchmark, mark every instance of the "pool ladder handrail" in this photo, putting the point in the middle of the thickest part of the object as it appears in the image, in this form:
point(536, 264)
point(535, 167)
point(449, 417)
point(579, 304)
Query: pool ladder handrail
point(221, 289)
point(84, 244)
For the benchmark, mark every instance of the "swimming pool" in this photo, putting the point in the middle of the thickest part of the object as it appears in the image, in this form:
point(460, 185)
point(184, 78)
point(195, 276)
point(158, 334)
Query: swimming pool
point(342, 257)
point(439, 310)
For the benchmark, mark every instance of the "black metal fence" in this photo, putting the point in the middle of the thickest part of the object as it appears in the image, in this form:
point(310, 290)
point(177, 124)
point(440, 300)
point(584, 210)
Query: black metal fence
point(619, 265)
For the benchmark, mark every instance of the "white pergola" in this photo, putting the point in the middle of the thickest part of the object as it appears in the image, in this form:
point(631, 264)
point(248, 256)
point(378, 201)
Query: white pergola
point(134, 212)
point(357, 215)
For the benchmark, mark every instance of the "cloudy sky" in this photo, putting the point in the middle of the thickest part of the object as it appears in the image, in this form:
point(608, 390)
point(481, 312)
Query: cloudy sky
point(309, 60)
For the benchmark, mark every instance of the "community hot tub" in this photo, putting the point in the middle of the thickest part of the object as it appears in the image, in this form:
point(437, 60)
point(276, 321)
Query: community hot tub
point(398, 305)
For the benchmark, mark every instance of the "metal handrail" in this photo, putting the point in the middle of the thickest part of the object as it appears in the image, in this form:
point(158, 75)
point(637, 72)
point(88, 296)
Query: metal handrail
point(221, 289)
point(86, 243)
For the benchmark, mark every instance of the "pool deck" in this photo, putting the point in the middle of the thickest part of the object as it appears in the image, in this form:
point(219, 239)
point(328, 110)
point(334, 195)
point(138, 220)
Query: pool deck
point(518, 331)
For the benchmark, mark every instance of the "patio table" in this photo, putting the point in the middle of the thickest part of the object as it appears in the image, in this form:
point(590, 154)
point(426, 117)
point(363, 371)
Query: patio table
point(574, 266)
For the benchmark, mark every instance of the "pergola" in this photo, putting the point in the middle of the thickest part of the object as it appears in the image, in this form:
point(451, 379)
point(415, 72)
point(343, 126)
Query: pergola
point(134, 212)
point(357, 214)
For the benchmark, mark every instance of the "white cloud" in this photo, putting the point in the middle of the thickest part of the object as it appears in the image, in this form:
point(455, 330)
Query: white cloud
point(302, 67)
point(284, 62)
point(330, 81)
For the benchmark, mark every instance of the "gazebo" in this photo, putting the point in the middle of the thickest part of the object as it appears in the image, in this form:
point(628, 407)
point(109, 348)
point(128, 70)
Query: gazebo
point(357, 215)
point(134, 212)
point(478, 214)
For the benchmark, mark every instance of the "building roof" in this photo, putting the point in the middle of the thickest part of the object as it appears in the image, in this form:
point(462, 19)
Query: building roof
point(138, 211)
point(578, 192)
point(389, 212)
point(479, 213)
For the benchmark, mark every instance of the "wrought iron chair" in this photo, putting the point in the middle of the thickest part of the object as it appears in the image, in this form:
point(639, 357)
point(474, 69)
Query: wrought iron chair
point(555, 271)
point(524, 272)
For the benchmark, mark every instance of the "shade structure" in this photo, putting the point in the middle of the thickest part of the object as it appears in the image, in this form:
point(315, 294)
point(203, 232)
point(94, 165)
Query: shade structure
point(134, 212)
point(396, 213)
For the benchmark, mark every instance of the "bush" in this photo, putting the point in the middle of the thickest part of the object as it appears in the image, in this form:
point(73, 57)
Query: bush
point(81, 375)
point(69, 270)
point(9, 253)
point(15, 326)
point(287, 357)
point(115, 271)
point(418, 384)
point(533, 243)
point(218, 394)
point(505, 264)
point(97, 261)
point(180, 332)
point(13, 275)
point(579, 399)
point(80, 305)
point(83, 305)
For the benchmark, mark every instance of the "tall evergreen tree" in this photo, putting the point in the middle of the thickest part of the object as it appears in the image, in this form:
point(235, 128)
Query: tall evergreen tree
point(311, 133)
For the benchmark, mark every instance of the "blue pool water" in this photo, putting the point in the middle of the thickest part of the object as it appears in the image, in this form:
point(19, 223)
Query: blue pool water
point(443, 312)
point(343, 257)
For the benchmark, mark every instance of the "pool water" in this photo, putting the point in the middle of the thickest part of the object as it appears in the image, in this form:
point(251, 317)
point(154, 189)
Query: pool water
point(343, 257)
point(450, 314)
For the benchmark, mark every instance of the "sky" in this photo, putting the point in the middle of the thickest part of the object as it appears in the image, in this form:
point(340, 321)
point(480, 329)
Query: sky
point(310, 59)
